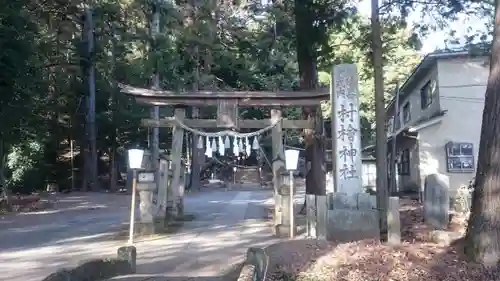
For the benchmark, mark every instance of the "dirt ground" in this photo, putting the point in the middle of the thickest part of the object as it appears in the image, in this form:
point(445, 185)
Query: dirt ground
point(418, 258)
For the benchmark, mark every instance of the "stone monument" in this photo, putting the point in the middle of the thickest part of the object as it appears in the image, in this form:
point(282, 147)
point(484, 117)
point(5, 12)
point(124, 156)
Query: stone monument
point(346, 133)
point(437, 200)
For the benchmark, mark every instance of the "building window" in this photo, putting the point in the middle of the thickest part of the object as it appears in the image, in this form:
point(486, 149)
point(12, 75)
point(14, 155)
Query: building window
point(460, 157)
point(426, 93)
point(406, 113)
point(404, 163)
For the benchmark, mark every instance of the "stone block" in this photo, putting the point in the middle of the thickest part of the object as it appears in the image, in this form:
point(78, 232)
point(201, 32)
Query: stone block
point(345, 201)
point(321, 217)
point(128, 254)
point(393, 222)
point(350, 224)
point(278, 209)
point(161, 195)
point(179, 207)
point(284, 231)
point(146, 206)
point(437, 200)
point(258, 258)
point(144, 229)
point(366, 201)
point(286, 212)
point(284, 190)
point(311, 219)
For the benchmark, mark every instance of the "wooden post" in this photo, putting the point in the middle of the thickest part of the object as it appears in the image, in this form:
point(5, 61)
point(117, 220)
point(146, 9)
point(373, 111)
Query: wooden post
point(197, 159)
point(169, 194)
point(392, 160)
point(278, 162)
point(177, 186)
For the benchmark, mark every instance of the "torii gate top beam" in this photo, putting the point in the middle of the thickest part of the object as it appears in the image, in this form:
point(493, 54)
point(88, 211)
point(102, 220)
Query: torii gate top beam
point(240, 98)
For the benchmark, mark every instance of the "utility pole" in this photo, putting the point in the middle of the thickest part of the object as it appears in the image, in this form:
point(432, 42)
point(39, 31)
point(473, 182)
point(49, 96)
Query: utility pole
point(380, 133)
point(393, 181)
point(90, 117)
point(155, 84)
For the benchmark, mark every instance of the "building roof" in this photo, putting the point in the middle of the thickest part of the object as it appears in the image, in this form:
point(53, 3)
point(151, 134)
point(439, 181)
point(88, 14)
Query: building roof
point(425, 64)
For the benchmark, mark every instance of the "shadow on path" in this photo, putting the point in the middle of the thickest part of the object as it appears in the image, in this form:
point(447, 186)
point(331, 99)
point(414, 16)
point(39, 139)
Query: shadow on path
point(226, 224)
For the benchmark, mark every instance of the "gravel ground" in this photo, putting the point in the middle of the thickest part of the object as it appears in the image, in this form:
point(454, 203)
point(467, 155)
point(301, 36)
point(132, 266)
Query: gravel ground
point(418, 258)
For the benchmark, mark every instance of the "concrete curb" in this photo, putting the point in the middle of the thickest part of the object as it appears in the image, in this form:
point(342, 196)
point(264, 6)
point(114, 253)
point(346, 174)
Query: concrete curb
point(255, 268)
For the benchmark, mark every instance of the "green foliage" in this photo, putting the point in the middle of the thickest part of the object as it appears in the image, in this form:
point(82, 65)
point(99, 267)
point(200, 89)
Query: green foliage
point(42, 63)
point(25, 162)
point(353, 46)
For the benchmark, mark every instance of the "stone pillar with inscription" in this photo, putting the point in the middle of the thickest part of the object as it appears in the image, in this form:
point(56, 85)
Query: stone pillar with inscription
point(346, 133)
point(147, 191)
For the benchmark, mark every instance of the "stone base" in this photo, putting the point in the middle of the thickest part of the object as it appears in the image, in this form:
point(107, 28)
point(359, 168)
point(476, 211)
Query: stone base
point(129, 254)
point(179, 207)
point(161, 222)
point(146, 228)
point(283, 231)
point(352, 217)
point(169, 213)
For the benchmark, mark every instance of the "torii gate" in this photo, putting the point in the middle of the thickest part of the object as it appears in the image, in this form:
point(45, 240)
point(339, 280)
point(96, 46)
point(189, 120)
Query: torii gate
point(228, 104)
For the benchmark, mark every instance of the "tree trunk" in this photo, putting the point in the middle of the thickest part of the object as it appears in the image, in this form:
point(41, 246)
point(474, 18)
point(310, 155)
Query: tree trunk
point(381, 137)
point(85, 161)
point(483, 230)
point(4, 191)
point(307, 60)
point(52, 149)
point(197, 157)
point(91, 118)
point(113, 167)
point(155, 84)
point(197, 153)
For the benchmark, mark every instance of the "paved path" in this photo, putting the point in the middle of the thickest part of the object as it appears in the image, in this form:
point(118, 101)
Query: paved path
point(226, 224)
point(213, 246)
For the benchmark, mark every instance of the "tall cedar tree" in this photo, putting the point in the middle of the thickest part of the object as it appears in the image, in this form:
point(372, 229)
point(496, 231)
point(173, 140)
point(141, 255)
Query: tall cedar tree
point(483, 231)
